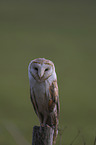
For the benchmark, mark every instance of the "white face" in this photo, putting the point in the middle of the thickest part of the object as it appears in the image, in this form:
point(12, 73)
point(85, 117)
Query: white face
point(41, 70)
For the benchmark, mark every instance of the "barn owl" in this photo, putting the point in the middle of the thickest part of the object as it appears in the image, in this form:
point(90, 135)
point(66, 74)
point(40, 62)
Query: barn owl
point(44, 92)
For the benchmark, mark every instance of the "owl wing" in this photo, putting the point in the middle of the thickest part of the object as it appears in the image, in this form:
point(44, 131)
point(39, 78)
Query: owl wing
point(33, 100)
point(54, 107)
point(35, 105)
point(54, 98)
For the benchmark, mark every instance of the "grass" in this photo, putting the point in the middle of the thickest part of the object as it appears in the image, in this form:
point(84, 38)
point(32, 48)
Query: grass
point(64, 32)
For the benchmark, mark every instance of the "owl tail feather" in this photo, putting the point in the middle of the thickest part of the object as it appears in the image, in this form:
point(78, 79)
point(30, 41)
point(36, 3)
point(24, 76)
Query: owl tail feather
point(55, 135)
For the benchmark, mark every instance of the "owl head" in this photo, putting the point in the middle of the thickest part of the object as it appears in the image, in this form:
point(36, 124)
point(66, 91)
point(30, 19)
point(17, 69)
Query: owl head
point(41, 69)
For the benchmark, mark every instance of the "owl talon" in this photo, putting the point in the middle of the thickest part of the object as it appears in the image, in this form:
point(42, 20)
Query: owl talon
point(47, 125)
point(42, 125)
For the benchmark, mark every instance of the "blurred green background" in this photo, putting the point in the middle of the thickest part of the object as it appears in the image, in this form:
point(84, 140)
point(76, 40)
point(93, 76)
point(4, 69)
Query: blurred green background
point(64, 32)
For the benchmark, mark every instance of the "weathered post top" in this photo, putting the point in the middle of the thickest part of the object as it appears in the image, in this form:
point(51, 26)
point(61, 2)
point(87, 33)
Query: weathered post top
point(42, 135)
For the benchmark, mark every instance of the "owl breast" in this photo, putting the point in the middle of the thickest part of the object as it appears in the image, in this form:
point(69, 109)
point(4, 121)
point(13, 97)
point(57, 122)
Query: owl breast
point(41, 91)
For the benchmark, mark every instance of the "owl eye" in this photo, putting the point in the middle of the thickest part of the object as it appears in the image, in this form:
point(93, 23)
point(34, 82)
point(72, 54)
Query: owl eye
point(36, 68)
point(46, 69)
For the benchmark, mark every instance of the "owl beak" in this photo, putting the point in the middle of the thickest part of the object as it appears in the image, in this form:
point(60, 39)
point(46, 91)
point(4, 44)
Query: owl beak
point(40, 74)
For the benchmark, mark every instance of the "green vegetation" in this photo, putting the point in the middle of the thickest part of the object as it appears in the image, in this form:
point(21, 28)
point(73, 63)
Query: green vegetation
point(64, 32)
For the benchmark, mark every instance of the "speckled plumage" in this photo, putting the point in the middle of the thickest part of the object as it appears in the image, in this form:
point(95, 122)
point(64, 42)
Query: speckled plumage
point(44, 92)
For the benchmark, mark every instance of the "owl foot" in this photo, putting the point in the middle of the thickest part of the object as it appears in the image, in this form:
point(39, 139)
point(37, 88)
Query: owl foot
point(47, 125)
point(42, 125)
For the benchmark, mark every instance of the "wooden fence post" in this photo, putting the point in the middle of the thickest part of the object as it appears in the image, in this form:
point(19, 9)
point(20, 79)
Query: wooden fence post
point(42, 135)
